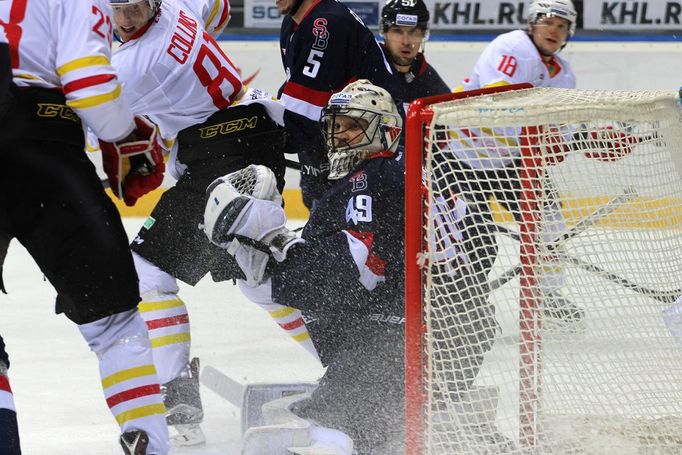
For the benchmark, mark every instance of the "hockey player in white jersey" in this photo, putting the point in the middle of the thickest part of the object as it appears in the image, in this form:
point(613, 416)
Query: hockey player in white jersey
point(174, 72)
point(521, 56)
point(53, 202)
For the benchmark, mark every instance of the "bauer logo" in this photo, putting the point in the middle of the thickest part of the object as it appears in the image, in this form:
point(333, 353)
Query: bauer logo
point(633, 15)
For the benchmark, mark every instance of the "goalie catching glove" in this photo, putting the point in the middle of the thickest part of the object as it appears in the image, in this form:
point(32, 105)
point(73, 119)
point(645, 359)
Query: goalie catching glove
point(252, 230)
point(606, 144)
point(135, 164)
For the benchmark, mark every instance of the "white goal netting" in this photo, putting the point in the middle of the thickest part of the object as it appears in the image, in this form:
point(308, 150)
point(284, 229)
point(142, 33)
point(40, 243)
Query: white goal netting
point(552, 260)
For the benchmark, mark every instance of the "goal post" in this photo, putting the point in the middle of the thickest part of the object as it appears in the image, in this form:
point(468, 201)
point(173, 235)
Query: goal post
point(543, 248)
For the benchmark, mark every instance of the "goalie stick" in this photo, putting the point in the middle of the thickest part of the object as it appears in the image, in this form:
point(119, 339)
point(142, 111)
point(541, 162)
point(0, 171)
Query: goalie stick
point(661, 296)
point(590, 220)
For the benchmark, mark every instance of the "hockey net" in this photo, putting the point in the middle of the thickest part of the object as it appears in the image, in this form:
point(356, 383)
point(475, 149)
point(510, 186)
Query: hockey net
point(565, 343)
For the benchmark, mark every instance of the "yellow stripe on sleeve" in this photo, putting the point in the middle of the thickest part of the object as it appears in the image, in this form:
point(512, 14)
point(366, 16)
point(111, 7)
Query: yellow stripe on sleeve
point(126, 375)
point(214, 12)
point(82, 62)
point(92, 101)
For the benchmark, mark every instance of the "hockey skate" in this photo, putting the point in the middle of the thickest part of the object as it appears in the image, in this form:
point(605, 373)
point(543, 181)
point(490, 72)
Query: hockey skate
point(134, 442)
point(184, 411)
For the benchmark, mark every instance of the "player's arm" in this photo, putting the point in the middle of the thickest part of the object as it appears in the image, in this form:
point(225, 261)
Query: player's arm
point(253, 231)
point(89, 81)
point(132, 155)
point(214, 14)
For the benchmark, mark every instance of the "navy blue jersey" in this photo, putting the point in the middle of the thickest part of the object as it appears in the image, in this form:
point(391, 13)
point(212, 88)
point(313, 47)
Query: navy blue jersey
point(330, 48)
point(421, 81)
point(359, 333)
point(368, 202)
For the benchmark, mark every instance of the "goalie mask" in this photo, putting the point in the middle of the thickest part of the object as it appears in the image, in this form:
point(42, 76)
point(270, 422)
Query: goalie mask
point(359, 121)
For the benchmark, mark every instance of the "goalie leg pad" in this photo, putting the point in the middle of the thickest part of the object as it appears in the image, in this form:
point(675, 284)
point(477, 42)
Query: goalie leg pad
point(288, 434)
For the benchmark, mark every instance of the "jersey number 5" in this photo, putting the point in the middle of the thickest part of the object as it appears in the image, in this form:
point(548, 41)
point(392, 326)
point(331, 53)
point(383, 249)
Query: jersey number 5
point(313, 65)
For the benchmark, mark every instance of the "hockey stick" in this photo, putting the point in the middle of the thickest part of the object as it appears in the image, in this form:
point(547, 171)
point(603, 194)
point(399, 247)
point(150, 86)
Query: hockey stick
point(590, 220)
point(661, 296)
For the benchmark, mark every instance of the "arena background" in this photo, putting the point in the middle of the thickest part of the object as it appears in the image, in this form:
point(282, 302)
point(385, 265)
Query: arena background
point(619, 45)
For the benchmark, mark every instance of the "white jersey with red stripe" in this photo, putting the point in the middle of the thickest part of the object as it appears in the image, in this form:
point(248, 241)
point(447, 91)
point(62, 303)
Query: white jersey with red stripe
point(66, 45)
point(175, 73)
point(511, 58)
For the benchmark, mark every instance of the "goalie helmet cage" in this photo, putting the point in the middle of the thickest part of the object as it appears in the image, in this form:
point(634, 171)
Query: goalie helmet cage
point(582, 356)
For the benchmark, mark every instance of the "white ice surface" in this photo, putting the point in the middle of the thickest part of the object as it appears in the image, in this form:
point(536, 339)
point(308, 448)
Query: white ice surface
point(55, 377)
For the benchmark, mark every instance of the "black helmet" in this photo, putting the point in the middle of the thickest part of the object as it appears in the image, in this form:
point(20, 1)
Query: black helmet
point(406, 13)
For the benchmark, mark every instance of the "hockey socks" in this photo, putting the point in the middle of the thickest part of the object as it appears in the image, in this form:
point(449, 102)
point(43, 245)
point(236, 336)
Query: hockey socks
point(167, 321)
point(129, 379)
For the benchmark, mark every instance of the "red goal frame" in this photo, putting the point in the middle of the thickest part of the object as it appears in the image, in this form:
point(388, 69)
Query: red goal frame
point(419, 117)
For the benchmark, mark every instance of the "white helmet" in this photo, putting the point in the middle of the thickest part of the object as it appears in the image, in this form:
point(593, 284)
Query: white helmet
point(380, 127)
point(153, 4)
point(555, 8)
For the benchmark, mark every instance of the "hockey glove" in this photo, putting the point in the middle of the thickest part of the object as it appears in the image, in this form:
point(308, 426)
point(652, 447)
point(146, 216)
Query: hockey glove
point(555, 144)
point(252, 230)
point(605, 144)
point(254, 180)
point(134, 165)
